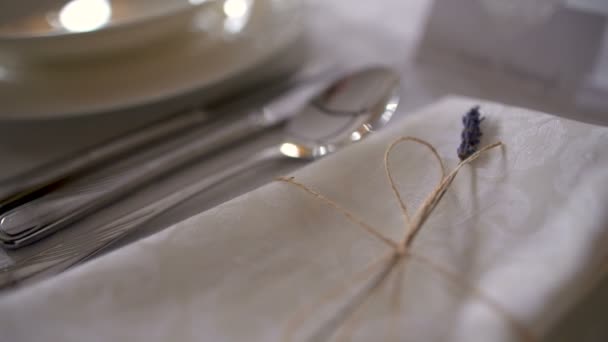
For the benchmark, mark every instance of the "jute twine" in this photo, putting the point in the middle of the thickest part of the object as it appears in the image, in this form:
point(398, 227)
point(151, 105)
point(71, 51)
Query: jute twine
point(400, 252)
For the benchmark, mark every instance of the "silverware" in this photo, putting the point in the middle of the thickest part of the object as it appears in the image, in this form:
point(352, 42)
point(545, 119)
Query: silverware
point(25, 186)
point(347, 112)
point(32, 183)
point(27, 220)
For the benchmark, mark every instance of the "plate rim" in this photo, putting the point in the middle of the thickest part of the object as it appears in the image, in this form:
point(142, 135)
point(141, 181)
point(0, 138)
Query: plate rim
point(273, 45)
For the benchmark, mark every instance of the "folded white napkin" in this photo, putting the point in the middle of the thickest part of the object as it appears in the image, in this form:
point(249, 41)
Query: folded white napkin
point(517, 240)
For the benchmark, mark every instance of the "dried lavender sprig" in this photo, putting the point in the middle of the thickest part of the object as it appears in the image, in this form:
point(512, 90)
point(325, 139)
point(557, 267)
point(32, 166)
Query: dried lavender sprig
point(471, 133)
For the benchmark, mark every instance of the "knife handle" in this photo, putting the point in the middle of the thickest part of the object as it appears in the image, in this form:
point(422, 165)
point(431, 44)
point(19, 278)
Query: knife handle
point(32, 184)
point(44, 215)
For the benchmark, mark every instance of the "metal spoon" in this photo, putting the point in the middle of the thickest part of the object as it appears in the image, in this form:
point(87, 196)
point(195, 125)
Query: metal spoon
point(346, 113)
point(34, 183)
point(25, 220)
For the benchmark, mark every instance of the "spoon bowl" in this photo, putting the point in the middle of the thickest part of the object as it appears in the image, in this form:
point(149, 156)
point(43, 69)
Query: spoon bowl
point(344, 114)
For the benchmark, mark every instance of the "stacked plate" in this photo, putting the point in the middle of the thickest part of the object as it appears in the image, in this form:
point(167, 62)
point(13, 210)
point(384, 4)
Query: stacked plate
point(60, 58)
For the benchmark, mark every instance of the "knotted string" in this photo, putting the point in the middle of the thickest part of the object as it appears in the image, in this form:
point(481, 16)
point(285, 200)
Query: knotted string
point(400, 252)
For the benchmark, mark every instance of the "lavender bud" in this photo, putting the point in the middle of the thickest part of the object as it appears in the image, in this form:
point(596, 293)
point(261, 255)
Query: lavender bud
point(471, 133)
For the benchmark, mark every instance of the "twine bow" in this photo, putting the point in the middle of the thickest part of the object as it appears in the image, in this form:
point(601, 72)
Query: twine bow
point(400, 251)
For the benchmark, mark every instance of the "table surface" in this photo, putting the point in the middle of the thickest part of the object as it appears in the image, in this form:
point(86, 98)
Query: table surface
point(341, 32)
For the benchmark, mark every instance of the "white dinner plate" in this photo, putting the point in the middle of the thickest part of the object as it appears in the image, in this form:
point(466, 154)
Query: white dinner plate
point(43, 30)
point(252, 31)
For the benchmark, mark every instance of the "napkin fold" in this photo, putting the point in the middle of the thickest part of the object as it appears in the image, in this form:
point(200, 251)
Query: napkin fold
point(525, 225)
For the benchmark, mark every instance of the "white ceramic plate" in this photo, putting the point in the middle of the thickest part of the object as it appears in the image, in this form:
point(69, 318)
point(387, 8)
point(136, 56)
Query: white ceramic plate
point(256, 30)
point(43, 30)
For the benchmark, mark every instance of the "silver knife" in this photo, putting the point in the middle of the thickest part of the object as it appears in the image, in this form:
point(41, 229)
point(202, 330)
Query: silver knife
point(37, 218)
